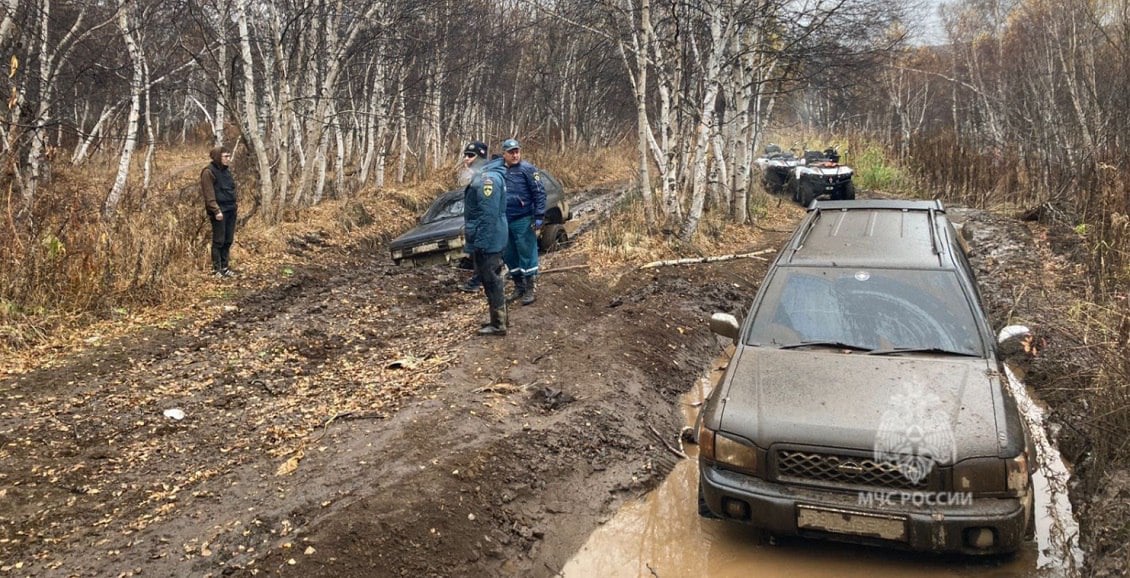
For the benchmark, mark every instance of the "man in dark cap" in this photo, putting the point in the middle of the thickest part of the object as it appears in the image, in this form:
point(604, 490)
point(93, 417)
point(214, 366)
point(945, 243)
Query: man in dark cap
point(525, 213)
point(217, 185)
point(485, 230)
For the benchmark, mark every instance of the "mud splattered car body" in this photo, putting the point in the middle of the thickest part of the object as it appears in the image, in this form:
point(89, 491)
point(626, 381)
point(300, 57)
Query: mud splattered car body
point(865, 400)
point(439, 236)
point(821, 174)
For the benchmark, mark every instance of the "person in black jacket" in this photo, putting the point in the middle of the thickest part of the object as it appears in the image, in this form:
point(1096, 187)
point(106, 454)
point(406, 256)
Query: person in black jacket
point(525, 213)
point(217, 185)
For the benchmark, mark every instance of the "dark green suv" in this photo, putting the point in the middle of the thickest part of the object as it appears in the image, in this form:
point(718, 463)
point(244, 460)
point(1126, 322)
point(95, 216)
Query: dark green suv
point(865, 399)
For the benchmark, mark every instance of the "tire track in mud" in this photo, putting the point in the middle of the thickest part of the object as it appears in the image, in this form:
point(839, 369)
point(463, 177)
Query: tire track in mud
point(114, 466)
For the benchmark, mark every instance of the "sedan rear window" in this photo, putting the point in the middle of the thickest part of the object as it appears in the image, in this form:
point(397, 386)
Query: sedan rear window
point(870, 309)
point(444, 208)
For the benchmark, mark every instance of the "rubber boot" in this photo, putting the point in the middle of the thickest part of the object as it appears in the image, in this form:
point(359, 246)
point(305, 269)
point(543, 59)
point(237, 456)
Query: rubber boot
point(472, 285)
point(519, 290)
point(497, 323)
point(528, 297)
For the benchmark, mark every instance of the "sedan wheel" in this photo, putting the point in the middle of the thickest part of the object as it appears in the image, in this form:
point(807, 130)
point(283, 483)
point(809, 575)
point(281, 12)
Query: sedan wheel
point(552, 237)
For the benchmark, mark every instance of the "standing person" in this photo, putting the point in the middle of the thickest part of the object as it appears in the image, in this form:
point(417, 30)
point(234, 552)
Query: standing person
point(484, 221)
point(217, 185)
point(462, 179)
point(525, 213)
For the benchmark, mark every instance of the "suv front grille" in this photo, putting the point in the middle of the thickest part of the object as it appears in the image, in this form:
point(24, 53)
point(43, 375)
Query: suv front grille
point(842, 470)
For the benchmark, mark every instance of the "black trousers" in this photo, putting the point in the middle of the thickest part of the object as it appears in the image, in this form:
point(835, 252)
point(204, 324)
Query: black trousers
point(488, 267)
point(223, 235)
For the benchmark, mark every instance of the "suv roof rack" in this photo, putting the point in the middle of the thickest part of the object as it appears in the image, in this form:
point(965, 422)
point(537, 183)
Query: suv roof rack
point(895, 233)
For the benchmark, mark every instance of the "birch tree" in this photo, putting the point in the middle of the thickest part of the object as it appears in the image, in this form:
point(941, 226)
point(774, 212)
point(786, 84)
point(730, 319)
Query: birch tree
point(53, 52)
point(704, 130)
point(637, 65)
point(137, 85)
point(250, 114)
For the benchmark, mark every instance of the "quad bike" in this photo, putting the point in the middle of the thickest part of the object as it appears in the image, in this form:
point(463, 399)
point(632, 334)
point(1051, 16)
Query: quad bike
point(821, 174)
point(776, 169)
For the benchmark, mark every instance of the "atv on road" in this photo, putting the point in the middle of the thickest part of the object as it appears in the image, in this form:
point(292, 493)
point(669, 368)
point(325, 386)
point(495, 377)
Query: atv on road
point(821, 174)
point(777, 168)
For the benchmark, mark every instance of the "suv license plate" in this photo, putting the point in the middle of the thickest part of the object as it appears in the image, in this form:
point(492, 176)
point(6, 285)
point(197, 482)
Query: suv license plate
point(851, 522)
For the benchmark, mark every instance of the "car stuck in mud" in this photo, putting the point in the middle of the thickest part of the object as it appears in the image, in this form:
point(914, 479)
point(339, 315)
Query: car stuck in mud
point(866, 400)
point(439, 236)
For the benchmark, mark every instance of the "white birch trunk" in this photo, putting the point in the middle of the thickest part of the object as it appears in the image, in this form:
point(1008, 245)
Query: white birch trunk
point(637, 75)
point(82, 152)
point(221, 96)
point(149, 131)
point(339, 162)
point(705, 125)
point(137, 82)
point(338, 50)
point(380, 145)
point(251, 111)
point(283, 115)
point(402, 130)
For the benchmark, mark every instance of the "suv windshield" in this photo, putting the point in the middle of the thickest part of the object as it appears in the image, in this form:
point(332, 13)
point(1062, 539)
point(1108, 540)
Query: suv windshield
point(869, 309)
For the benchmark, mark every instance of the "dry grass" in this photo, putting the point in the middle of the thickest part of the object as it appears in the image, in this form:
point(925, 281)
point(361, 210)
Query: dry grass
point(1090, 203)
point(583, 169)
point(624, 240)
point(70, 277)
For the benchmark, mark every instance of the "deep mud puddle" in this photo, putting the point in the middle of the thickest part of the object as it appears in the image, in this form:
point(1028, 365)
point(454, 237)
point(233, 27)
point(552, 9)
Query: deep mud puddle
point(663, 535)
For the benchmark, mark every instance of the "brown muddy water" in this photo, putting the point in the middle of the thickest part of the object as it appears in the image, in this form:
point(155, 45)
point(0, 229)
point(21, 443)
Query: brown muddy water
point(663, 536)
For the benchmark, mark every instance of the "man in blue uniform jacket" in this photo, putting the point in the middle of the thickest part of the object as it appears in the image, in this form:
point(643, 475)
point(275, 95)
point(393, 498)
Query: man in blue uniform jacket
point(485, 230)
point(525, 213)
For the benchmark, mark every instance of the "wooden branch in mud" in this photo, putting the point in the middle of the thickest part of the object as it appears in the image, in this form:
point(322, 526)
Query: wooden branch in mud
point(691, 260)
point(560, 269)
point(344, 416)
point(671, 449)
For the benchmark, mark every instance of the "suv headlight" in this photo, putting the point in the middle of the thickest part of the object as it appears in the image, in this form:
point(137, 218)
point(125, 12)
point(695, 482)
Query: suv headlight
point(727, 451)
point(992, 475)
point(1018, 476)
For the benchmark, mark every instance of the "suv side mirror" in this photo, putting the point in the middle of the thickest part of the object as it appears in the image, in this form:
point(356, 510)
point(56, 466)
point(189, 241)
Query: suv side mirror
point(1016, 342)
point(1013, 332)
point(725, 325)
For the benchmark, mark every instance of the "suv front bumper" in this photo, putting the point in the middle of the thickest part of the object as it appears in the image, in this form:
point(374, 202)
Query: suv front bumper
point(915, 521)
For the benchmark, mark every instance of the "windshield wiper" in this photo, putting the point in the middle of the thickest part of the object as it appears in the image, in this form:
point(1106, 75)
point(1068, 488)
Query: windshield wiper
point(817, 343)
point(937, 350)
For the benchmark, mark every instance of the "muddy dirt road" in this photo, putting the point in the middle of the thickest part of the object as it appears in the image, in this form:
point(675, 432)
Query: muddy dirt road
point(341, 420)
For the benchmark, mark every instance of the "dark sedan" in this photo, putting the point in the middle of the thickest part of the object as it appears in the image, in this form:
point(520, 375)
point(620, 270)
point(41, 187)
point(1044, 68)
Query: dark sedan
point(439, 236)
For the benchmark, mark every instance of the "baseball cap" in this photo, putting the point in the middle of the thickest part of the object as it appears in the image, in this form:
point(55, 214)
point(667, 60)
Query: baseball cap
point(477, 148)
point(510, 144)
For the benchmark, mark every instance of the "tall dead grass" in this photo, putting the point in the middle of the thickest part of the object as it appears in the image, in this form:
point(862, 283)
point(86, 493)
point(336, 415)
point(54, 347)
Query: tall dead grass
point(624, 240)
point(65, 268)
point(64, 264)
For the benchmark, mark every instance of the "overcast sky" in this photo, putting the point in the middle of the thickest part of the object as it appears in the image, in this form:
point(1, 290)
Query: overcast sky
point(928, 28)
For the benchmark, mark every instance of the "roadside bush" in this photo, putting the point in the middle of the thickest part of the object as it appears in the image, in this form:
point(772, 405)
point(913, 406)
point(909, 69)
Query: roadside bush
point(874, 171)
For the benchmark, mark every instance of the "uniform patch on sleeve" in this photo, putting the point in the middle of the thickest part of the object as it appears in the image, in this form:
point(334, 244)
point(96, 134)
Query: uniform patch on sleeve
point(488, 186)
point(537, 176)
